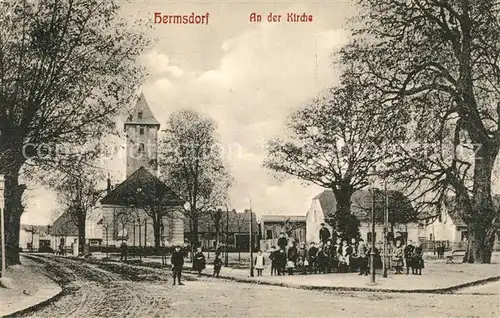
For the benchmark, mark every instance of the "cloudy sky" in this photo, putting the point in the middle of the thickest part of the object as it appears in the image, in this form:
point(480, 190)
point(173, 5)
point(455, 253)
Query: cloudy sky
point(247, 76)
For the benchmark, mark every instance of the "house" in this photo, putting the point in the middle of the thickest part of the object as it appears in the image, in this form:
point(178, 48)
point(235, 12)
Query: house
point(234, 230)
point(35, 238)
point(294, 226)
point(448, 227)
point(64, 232)
point(323, 207)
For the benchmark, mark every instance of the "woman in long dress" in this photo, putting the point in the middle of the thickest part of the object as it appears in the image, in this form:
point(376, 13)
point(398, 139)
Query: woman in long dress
point(199, 261)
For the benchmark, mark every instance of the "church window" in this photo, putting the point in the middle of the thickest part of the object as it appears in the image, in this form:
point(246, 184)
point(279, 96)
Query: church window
point(141, 148)
point(139, 115)
point(141, 131)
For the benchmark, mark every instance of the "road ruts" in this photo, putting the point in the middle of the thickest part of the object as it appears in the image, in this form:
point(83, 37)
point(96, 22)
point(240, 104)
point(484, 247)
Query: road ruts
point(111, 289)
point(94, 292)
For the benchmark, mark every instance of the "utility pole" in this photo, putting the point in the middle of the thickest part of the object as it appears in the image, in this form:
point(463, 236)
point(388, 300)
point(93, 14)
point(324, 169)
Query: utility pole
point(372, 253)
point(251, 247)
point(386, 221)
point(32, 237)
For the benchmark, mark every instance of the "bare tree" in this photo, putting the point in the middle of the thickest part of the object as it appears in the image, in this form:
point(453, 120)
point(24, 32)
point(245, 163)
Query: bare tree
point(216, 217)
point(158, 202)
point(334, 142)
point(123, 217)
point(435, 64)
point(192, 165)
point(67, 68)
point(78, 192)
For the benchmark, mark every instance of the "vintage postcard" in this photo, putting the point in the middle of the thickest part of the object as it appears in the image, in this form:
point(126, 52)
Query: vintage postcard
point(223, 158)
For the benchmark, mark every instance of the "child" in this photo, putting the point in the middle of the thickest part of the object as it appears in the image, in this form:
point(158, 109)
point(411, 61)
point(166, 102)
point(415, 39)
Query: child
point(397, 257)
point(259, 263)
point(272, 257)
point(217, 265)
point(177, 262)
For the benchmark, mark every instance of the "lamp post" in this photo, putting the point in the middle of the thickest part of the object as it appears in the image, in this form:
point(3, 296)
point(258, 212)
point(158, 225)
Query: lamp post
point(371, 180)
point(386, 220)
point(372, 252)
point(250, 240)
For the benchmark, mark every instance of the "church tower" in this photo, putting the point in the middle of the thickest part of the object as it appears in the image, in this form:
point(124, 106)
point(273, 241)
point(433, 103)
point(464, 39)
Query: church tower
point(141, 130)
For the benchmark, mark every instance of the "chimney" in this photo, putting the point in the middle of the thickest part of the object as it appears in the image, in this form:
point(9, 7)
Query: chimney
point(109, 185)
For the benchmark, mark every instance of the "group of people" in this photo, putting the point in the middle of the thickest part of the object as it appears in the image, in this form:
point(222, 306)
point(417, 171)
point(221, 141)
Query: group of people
point(342, 256)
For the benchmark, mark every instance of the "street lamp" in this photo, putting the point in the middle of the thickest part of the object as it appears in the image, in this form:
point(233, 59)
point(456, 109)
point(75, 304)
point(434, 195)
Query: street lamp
point(250, 239)
point(371, 180)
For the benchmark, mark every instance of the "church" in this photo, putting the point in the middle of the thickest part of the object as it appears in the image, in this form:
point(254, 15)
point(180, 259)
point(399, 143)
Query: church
point(141, 210)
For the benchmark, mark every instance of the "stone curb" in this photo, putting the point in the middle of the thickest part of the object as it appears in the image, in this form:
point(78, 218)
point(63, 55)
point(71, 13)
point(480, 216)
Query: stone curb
point(37, 306)
point(40, 304)
point(446, 290)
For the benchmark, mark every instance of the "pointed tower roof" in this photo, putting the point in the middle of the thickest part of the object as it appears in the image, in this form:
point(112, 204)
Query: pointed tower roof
point(141, 114)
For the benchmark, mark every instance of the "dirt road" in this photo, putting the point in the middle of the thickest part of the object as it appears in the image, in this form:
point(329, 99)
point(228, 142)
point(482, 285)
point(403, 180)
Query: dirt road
point(95, 290)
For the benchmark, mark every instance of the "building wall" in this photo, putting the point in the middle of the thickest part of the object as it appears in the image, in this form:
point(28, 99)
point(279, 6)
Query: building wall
point(314, 219)
point(413, 230)
point(135, 159)
point(275, 228)
point(138, 234)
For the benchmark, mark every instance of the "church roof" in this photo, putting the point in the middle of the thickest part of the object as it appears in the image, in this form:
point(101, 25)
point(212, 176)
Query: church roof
point(151, 188)
point(146, 115)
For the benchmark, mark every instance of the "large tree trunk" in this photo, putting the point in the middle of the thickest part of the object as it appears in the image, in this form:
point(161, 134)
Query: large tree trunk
point(81, 235)
point(483, 218)
point(13, 210)
point(342, 220)
point(157, 232)
point(194, 234)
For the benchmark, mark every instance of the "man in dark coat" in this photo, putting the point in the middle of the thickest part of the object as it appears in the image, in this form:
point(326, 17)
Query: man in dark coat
point(312, 255)
point(124, 251)
point(293, 255)
point(324, 234)
point(282, 241)
point(280, 259)
point(177, 262)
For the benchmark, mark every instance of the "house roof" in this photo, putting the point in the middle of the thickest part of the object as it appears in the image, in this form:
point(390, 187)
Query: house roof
point(283, 218)
point(327, 202)
point(147, 118)
point(453, 211)
point(38, 229)
point(126, 193)
point(64, 225)
point(360, 201)
point(238, 222)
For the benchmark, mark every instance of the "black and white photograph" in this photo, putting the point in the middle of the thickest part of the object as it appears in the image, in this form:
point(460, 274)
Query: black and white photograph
point(250, 158)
